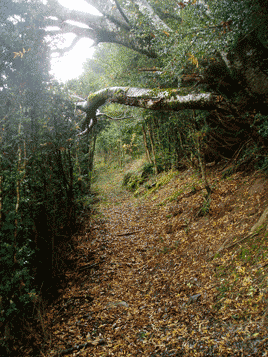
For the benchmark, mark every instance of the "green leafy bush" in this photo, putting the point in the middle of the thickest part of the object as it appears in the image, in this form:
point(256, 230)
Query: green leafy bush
point(39, 194)
point(147, 170)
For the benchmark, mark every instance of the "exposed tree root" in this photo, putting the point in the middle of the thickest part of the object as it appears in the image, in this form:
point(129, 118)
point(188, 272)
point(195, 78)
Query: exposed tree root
point(253, 233)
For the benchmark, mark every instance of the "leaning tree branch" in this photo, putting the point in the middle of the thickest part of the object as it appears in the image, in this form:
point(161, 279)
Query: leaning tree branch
point(154, 99)
point(92, 122)
point(167, 99)
point(121, 11)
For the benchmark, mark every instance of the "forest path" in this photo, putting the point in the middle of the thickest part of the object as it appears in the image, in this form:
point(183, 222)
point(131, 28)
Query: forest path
point(144, 285)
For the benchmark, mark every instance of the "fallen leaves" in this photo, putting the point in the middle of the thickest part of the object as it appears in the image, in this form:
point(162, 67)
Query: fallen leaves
point(152, 289)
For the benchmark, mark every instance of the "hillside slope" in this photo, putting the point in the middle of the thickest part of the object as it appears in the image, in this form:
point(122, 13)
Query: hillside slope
point(162, 274)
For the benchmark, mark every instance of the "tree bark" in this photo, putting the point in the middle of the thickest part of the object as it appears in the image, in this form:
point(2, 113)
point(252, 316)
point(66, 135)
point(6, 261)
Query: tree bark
point(118, 23)
point(154, 99)
point(108, 27)
point(249, 60)
point(145, 145)
point(153, 149)
point(91, 157)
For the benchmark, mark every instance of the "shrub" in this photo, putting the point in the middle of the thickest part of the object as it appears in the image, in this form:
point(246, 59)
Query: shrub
point(147, 170)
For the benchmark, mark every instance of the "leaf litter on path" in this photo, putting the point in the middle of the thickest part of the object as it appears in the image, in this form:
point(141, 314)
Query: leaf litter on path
point(158, 292)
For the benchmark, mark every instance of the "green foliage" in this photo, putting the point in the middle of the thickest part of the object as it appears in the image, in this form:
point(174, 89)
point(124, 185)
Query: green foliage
point(126, 178)
point(38, 193)
point(204, 210)
point(119, 140)
point(261, 122)
point(147, 170)
point(198, 32)
point(40, 172)
point(45, 170)
point(132, 181)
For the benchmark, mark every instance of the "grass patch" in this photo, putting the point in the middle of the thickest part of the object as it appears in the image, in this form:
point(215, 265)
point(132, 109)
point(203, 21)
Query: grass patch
point(164, 179)
point(176, 194)
point(241, 278)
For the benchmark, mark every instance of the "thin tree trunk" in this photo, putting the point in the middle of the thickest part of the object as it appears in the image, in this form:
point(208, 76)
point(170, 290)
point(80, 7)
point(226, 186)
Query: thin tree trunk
point(145, 145)
point(201, 163)
point(71, 217)
point(1, 185)
point(91, 157)
point(153, 149)
point(1, 199)
point(204, 175)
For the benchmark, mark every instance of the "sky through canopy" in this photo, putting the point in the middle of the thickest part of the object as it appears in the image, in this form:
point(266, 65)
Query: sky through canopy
point(70, 65)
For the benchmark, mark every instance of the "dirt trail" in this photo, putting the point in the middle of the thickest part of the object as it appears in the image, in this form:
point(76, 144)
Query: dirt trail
point(144, 285)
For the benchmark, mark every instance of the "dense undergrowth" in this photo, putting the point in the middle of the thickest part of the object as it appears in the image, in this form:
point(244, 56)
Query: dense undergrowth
point(43, 192)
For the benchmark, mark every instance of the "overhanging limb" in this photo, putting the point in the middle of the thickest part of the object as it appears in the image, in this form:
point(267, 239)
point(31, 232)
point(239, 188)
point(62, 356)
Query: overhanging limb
point(154, 99)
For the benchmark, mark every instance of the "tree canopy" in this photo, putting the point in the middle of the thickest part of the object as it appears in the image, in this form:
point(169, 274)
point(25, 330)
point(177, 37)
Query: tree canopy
point(192, 42)
point(153, 28)
point(40, 175)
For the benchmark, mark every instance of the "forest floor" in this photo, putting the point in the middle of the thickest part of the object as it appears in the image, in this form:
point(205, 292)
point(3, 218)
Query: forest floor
point(159, 275)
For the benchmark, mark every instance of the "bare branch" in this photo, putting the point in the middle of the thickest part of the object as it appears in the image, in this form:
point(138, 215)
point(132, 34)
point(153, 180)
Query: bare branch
point(154, 99)
point(107, 10)
point(107, 116)
point(65, 27)
point(117, 22)
point(77, 96)
point(54, 9)
point(121, 11)
point(90, 125)
point(154, 69)
point(61, 51)
point(100, 30)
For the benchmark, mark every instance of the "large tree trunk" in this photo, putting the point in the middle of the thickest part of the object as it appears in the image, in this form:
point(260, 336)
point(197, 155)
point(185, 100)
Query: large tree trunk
point(168, 99)
point(249, 62)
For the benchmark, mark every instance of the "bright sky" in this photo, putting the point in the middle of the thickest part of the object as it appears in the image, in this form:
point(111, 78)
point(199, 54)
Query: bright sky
point(70, 65)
